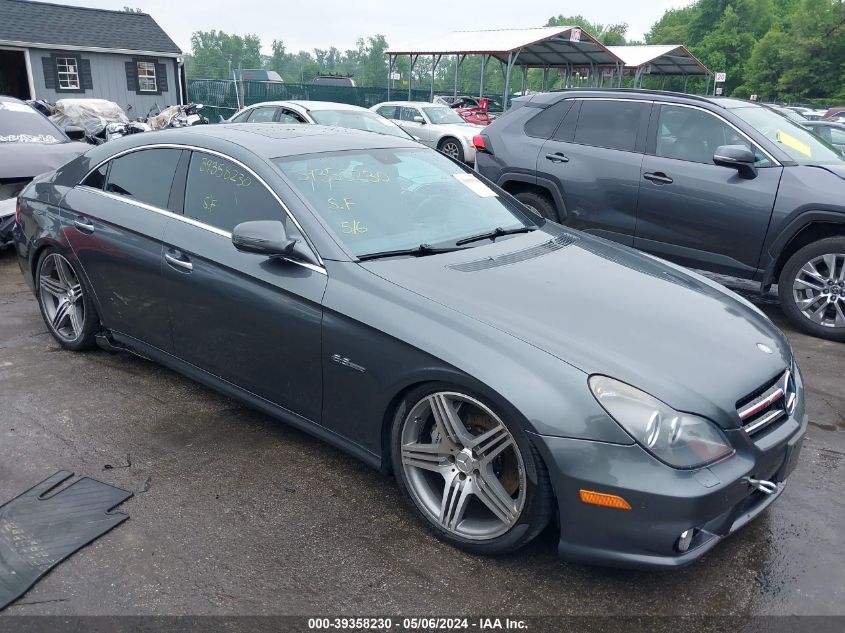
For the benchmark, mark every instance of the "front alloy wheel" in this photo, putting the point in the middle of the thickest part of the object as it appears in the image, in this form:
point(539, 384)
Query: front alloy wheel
point(466, 474)
point(452, 148)
point(812, 288)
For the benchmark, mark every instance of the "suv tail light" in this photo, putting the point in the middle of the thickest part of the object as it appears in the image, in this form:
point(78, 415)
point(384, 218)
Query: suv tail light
point(479, 142)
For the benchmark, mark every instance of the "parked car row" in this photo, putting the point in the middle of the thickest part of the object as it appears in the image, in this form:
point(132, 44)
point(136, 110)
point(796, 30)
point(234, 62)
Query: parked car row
point(711, 183)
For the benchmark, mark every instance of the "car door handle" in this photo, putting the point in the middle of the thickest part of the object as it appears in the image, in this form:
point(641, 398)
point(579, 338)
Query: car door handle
point(557, 157)
point(178, 260)
point(658, 176)
point(84, 226)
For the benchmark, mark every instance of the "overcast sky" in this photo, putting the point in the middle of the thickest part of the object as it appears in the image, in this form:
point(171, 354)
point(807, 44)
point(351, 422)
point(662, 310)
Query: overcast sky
point(325, 23)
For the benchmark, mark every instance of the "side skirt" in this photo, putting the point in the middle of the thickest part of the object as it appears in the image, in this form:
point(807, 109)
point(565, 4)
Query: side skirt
point(115, 341)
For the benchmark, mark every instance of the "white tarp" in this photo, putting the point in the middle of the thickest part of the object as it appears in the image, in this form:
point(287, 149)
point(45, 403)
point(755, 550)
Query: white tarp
point(92, 114)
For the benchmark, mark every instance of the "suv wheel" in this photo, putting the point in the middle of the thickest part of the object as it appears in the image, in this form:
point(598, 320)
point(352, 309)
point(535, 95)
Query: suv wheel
point(538, 203)
point(811, 288)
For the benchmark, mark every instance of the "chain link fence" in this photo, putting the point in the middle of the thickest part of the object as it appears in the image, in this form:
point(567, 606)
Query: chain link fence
point(220, 97)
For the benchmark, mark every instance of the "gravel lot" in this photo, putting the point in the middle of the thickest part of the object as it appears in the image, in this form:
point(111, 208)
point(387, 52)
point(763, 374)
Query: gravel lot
point(244, 515)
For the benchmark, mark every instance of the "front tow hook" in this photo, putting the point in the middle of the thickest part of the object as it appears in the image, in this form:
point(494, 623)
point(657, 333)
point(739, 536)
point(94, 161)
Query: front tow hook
point(764, 486)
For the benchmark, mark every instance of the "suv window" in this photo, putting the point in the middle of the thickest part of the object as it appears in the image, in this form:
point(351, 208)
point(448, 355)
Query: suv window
point(544, 123)
point(610, 124)
point(220, 193)
point(693, 135)
point(262, 115)
point(145, 175)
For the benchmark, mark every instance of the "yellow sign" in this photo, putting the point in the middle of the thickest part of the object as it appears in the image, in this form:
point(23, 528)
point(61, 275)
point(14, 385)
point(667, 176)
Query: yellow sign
point(794, 143)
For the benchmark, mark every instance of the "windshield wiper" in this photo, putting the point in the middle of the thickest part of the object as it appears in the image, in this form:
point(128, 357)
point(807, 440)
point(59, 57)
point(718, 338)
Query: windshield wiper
point(492, 235)
point(418, 251)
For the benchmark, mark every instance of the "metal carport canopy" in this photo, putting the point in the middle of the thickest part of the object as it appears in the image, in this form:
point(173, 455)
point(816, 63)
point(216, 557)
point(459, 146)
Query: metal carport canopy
point(552, 46)
point(671, 59)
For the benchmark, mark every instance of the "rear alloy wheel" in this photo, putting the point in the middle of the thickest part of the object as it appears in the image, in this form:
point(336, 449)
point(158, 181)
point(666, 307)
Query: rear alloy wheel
point(65, 306)
point(451, 147)
point(811, 288)
point(476, 481)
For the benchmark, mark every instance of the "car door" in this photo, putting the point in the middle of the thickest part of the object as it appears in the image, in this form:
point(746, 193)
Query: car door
point(250, 320)
point(409, 120)
point(115, 225)
point(697, 213)
point(594, 158)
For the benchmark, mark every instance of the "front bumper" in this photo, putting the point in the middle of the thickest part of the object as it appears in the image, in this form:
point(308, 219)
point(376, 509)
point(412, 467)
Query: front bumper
point(715, 501)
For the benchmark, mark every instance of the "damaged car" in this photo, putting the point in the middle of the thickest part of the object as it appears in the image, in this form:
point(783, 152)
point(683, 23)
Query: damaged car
point(510, 372)
point(30, 144)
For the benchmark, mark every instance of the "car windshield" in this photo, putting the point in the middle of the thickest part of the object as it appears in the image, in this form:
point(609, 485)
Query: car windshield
point(802, 146)
point(356, 120)
point(442, 114)
point(394, 199)
point(20, 123)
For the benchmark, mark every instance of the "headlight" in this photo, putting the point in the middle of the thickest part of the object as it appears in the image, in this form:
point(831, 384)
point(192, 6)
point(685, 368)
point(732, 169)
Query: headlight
point(678, 439)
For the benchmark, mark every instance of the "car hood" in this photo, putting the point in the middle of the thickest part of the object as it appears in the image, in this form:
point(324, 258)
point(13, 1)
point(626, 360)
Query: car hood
point(610, 310)
point(27, 160)
point(836, 170)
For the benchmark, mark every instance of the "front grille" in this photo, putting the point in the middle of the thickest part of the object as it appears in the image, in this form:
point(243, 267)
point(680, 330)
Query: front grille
point(767, 405)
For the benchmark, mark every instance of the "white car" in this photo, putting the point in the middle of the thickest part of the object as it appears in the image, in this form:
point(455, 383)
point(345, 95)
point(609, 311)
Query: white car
point(437, 126)
point(319, 113)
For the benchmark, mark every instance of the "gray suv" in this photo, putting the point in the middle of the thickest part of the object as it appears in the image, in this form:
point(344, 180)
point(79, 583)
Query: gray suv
point(710, 183)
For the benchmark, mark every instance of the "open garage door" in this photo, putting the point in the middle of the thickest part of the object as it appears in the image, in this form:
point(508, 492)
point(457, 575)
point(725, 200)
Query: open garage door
point(14, 81)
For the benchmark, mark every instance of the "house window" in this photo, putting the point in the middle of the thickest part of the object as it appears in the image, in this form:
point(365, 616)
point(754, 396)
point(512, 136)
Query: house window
point(147, 77)
point(67, 73)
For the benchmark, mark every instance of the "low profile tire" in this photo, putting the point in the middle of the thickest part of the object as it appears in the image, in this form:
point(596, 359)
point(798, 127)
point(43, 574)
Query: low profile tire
point(471, 475)
point(538, 203)
point(811, 288)
point(65, 302)
point(452, 147)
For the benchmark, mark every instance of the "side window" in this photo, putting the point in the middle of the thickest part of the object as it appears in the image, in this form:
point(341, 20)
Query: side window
point(693, 135)
point(145, 175)
point(262, 115)
point(243, 116)
point(610, 124)
point(97, 178)
point(290, 117)
point(220, 193)
point(388, 112)
point(408, 114)
point(544, 124)
point(837, 136)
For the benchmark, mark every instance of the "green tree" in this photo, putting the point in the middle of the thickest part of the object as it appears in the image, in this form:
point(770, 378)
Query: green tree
point(215, 53)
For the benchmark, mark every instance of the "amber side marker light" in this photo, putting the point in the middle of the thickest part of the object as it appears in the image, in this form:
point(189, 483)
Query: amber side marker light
point(601, 499)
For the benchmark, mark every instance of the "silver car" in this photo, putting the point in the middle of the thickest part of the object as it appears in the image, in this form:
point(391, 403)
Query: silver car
point(320, 113)
point(437, 126)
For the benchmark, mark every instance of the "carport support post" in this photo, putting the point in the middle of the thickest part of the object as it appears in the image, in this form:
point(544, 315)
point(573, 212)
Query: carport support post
point(524, 78)
point(511, 61)
point(545, 77)
point(391, 61)
point(434, 62)
point(481, 82)
point(458, 60)
point(686, 76)
point(413, 59)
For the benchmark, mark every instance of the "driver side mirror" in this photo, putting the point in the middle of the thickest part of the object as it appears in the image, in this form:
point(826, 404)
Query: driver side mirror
point(737, 156)
point(263, 237)
point(419, 119)
point(75, 133)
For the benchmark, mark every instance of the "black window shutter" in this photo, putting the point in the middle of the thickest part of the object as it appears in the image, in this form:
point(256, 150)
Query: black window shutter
point(131, 77)
point(85, 78)
point(161, 77)
point(49, 72)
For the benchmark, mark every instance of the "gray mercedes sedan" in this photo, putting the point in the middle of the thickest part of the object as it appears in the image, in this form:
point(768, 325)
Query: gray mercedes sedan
point(508, 371)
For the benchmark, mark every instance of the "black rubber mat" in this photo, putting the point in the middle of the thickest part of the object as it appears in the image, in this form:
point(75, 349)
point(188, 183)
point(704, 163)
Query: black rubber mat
point(38, 531)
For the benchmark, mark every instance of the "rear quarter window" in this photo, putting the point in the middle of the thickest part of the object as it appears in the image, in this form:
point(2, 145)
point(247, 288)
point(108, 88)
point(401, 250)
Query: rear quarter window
point(544, 124)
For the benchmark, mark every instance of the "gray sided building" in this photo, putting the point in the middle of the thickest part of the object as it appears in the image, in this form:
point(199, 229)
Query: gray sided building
point(53, 51)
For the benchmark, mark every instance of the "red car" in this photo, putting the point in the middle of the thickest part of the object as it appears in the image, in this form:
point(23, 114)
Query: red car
point(470, 109)
point(833, 113)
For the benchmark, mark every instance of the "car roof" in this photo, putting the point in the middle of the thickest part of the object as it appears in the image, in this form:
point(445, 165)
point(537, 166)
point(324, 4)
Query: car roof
point(723, 102)
point(310, 105)
point(273, 140)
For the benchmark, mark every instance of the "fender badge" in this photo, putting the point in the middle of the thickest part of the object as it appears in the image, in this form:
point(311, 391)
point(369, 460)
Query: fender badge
point(764, 348)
